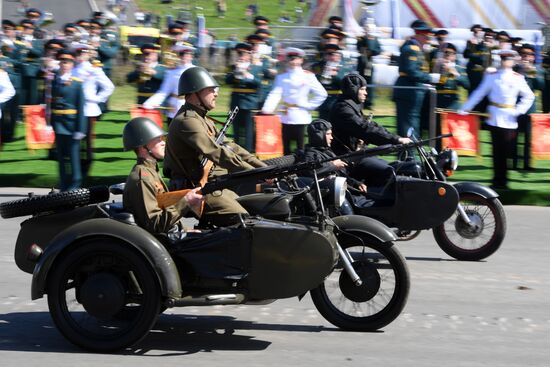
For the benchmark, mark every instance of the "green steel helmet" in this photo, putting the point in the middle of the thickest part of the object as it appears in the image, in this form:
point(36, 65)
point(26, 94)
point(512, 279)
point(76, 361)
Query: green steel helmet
point(195, 79)
point(139, 131)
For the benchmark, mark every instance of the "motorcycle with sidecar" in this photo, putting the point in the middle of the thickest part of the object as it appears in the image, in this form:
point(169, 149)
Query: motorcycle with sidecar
point(107, 279)
point(467, 218)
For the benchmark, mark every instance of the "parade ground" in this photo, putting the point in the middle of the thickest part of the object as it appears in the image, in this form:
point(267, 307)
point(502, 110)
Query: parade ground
point(489, 313)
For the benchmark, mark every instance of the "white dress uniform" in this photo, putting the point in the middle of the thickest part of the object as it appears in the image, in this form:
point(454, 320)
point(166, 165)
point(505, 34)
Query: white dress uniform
point(6, 88)
point(169, 88)
point(503, 88)
point(97, 87)
point(294, 88)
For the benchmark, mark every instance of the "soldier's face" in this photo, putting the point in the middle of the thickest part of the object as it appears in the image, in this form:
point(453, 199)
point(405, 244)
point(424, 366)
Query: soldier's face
point(208, 97)
point(362, 94)
point(157, 147)
point(329, 137)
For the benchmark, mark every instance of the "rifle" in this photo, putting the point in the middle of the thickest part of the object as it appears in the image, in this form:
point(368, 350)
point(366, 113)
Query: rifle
point(172, 197)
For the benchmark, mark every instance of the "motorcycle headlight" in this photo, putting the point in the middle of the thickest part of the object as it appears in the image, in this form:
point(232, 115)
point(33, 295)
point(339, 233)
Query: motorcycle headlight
point(340, 188)
point(447, 161)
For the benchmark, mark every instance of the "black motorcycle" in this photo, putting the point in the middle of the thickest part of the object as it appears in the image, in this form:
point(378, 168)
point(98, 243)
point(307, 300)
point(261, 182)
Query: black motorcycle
point(108, 279)
point(467, 218)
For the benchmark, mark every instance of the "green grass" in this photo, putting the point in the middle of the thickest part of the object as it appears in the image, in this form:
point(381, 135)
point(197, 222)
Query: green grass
point(234, 17)
point(20, 167)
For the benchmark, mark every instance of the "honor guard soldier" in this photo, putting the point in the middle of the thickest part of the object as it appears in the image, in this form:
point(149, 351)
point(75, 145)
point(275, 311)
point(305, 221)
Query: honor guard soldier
point(245, 79)
point(336, 22)
point(413, 72)
point(476, 39)
point(509, 96)
point(546, 90)
point(10, 108)
point(192, 137)
point(7, 92)
point(68, 120)
point(149, 73)
point(144, 183)
point(31, 51)
point(535, 80)
point(452, 77)
point(97, 90)
point(186, 37)
point(267, 37)
point(329, 36)
point(106, 44)
point(293, 88)
point(261, 22)
point(261, 56)
point(330, 72)
point(480, 58)
point(169, 87)
point(368, 46)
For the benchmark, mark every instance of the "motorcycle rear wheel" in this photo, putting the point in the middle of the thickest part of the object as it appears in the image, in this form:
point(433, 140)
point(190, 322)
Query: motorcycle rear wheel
point(462, 242)
point(381, 297)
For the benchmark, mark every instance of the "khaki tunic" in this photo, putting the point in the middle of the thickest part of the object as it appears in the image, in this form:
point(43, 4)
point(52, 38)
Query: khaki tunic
point(139, 198)
point(191, 137)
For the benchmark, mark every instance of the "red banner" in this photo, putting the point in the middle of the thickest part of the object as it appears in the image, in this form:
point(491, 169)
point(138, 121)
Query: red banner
point(269, 140)
point(540, 136)
point(38, 134)
point(465, 130)
point(154, 115)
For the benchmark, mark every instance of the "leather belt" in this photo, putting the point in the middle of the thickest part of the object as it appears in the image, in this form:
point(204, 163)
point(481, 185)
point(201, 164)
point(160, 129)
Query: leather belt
point(502, 105)
point(244, 90)
point(334, 91)
point(64, 112)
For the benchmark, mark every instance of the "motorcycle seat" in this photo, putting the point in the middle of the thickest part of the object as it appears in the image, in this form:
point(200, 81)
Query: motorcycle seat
point(116, 211)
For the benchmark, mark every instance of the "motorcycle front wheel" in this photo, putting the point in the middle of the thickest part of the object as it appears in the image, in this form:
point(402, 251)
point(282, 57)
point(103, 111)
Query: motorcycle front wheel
point(479, 240)
point(378, 300)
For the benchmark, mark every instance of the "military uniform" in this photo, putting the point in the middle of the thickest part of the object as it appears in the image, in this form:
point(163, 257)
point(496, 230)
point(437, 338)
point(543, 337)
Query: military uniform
point(503, 89)
point(191, 137)
point(330, 76)
point(479, 59)
point(107, 51)
point(546, 89)
point(30, 69)
point(142, 187)
point(245, 95)
point(413, 72)
point(147, 85)
point(368, 46)
point(6, 89)
point(448, 94)
point(68, 118)
point(10, 108)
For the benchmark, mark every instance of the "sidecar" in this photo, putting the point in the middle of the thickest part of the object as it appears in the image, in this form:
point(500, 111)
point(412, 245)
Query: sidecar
point(408, 203)
point(108, 279)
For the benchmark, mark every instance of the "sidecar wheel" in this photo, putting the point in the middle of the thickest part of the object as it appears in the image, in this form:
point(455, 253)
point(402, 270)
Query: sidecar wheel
point(92, 285)
point(54, 201)
point(463, 242)
point(375, 303)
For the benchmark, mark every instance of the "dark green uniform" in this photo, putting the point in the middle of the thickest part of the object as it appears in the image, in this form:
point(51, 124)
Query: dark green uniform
point(546, 90)
point(67, 111)
point(332, 83)
point(245, 95)
point(140, 192)
point(30, 70)
point(535, 79)
point(147, 85)
point(191, 137)
point(268, 76)
point(368, 46)
point(479, 59)
point(108, 50)
point(413, 72)
point(448, 94)
point(10, 109)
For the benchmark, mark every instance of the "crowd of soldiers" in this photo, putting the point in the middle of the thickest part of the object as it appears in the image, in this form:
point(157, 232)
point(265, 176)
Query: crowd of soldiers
point(33, 60)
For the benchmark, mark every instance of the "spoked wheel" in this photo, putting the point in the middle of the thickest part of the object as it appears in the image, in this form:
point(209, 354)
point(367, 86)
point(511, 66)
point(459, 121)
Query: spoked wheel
point(103, 296)
point(378, 300)
point(478, 240)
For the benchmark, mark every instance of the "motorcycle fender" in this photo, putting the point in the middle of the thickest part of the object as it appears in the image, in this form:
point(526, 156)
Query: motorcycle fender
point(366, 225)
point(151, 249)
point(475, 188)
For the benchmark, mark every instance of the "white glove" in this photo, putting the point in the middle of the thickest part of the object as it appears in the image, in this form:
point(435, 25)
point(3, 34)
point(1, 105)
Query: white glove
point(462, 112)
point(434, 78)
point(148, 106)
point(78, 135)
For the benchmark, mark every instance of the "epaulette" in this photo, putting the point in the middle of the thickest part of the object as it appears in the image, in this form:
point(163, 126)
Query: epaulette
point(190, 112)
point(19, 42)
point(76, 79)
point(415, 48)
point(97, 64)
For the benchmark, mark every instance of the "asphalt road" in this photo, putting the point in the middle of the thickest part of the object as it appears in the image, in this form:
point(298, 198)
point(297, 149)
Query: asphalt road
point(64, 11)
point(490, 313)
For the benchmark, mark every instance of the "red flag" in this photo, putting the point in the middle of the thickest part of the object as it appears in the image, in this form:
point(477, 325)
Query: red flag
point(465, 130)
point(154, 115)
point(38, 134)
point(540, 141)
point(269, 141)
